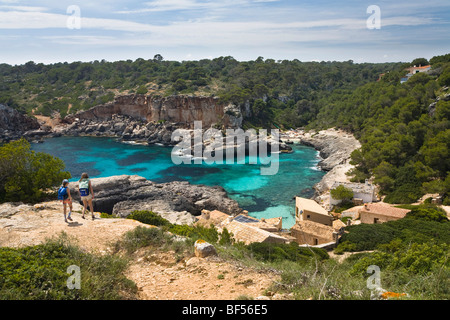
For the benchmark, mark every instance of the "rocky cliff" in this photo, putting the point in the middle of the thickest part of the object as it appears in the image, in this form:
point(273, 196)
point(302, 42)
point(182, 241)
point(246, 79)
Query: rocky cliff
point(174, 109)
point(13, 124)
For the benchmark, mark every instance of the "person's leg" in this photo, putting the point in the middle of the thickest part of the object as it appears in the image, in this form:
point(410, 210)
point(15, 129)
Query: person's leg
point(70, 211)
point(91, 207)
point(84, 208)
point(64, 206)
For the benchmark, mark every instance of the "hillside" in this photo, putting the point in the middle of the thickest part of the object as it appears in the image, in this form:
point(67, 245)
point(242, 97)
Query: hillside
point(277, 85)
point(157, 274)
point(403, 128)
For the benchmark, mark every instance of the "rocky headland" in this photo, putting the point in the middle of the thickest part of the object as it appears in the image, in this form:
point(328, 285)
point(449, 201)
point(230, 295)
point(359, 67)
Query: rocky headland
point(177, 201)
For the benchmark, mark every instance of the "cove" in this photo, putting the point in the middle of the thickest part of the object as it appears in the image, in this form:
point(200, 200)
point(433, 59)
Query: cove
point(263, 196)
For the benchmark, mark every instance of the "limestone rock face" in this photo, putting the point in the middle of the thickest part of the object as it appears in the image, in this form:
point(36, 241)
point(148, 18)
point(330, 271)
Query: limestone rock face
point(13, 124)
point(175, 109)
point(204, 249)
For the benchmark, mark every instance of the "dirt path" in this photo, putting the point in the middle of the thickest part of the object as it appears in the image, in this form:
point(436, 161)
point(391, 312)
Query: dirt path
point(159, 276)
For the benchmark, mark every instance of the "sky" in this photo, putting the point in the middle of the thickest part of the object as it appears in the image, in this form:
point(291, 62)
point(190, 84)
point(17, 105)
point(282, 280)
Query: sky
point(310, 30)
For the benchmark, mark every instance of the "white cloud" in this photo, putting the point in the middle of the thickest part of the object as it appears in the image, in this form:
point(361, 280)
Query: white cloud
point(174, 5)
point(23, 8)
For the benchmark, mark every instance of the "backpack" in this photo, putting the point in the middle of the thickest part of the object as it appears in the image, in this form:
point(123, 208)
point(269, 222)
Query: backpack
point(84, 187)
point(62, 193)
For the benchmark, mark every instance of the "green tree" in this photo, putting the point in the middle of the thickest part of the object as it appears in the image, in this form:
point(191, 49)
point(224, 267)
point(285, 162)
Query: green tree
point(420, 61)
point(26, 175)
point(428, 213)
point(180, 85)
point(342, 193)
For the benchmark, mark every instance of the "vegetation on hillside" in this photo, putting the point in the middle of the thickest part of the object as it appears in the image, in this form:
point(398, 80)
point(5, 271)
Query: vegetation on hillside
point(404, 142)
point(405, 139)
point(41, 273)
point(284, 92)
point(409, 262)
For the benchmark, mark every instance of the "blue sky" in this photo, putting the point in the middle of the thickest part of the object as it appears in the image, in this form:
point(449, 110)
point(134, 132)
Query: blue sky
point(311, 30)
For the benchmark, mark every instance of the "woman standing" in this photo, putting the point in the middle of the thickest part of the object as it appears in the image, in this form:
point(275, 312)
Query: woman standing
point(86, 193)
point(66, 198)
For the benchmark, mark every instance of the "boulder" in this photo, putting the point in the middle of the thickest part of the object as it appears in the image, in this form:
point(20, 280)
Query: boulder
point(123, 194)
point(204, 249)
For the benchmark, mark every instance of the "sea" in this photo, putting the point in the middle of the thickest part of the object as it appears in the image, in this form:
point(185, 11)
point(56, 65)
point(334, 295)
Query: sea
point(263, 196)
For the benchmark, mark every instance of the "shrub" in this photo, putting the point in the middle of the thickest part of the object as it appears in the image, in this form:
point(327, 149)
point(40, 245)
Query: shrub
point(141, 237)
point(342, 193)
point(148, 217)
point(291, 252)
point(40, 272)
point(416, 259)
point(210, 235)
point(370, 236)
point(26, 175)
point(428, 213)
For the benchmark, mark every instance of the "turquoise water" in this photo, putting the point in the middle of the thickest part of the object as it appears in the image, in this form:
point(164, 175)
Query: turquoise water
point(263, 196)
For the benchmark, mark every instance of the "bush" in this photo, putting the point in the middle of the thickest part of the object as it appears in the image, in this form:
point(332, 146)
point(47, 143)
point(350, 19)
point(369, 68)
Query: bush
point(40, 273)
point(428, 213)
point(210, 235)
point(342, 193)
point(26, 175)
point(141, 237)
point(148, 217)
point(415, 259)
point(370, 236)
point(291, 252)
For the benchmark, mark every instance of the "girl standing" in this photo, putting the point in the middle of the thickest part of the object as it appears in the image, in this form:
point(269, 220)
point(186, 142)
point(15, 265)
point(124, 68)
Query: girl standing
point(86, 193)
point(66, 198)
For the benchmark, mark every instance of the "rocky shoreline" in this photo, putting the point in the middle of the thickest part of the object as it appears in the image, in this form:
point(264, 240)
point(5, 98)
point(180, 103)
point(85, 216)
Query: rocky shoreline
point(335, 148)
point(177, 201)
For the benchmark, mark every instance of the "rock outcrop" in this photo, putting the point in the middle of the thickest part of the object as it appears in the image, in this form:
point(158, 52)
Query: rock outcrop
point(335, 148)
point(13, 124)
point(122, 127)
point(177, 201)
point(174, 109)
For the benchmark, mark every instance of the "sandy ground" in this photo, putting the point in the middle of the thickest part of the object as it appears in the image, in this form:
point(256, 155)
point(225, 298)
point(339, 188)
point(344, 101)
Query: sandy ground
point(31, 225)
point(158, 275)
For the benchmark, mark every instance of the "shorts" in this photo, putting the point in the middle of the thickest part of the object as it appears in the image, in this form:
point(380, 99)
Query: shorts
point(66, 201)
point(86, 198)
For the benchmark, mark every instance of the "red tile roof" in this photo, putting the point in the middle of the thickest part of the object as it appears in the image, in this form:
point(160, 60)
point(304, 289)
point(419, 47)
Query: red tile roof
point(384, 210)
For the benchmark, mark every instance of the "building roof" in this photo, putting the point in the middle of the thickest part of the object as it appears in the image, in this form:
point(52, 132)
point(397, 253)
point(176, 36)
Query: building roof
point(270, 224)
point(313, 228)
point(338, 224)
point(214, 217)
point(384, 210)
point(248, 234)
point(310, 205)
point(419, 67)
